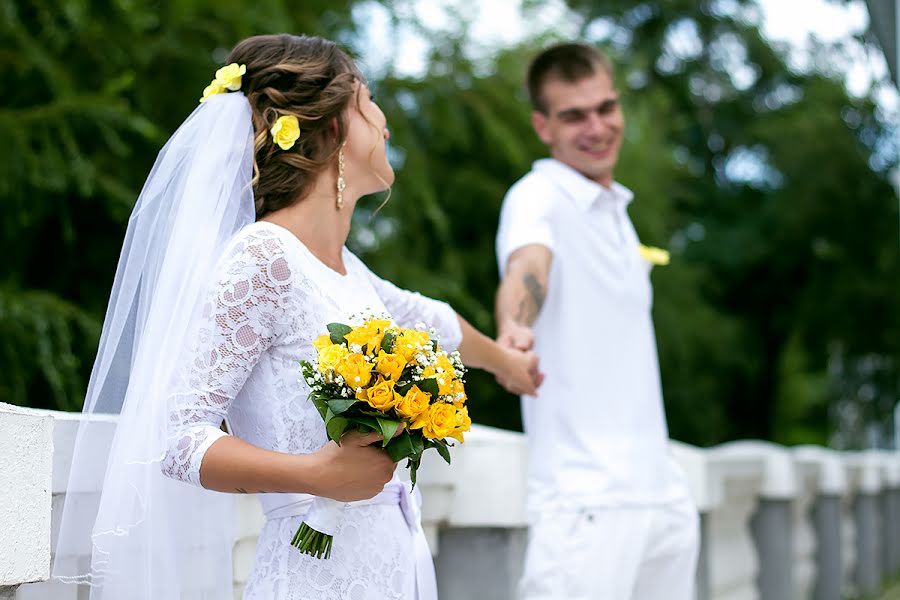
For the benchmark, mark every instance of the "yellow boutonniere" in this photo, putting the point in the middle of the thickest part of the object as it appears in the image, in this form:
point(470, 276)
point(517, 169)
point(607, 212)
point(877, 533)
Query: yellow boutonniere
point(654, 256)
point(286, 131)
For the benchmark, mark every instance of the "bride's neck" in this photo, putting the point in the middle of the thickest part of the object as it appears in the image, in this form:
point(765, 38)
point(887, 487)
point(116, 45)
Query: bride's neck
point(318, 223)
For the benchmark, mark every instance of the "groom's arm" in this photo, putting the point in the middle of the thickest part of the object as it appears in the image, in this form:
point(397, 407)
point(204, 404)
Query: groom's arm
point(521, 295)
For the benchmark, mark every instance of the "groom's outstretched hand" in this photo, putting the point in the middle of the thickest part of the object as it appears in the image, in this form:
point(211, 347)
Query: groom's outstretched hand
point(514, 335)
point(520, 373)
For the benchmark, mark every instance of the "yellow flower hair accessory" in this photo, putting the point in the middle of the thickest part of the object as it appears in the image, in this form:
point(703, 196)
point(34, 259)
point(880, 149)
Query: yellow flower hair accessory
point(228, 79)
point(285, 131)
point(654, 256)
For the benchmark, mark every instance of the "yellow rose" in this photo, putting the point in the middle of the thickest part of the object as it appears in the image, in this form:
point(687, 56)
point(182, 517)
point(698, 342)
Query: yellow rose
point(211, 90)
point(381, 395)
point(437, 422)
point(390, 365)
point(463, 424)
point(459, 393)
point(367, 337)
point(410, 343)
point(286, 131)
point(323, 341)
point(331, 356)
point(379, 325)
point(355, 370)
point(229, 76)
point(445, 379)
point(413, 404)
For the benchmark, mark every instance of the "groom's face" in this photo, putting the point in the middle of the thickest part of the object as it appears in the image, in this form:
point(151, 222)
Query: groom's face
point(583, 124)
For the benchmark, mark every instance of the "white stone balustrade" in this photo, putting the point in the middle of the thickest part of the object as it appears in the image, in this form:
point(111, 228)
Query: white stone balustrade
point(26, 454)
point(778, 523)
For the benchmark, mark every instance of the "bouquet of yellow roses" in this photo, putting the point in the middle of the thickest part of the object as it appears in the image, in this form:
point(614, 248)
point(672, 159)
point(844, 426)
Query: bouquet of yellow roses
point(379, 377)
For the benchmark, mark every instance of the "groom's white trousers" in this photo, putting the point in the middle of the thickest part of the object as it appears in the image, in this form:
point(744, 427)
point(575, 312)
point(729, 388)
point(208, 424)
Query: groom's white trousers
point(620, 553)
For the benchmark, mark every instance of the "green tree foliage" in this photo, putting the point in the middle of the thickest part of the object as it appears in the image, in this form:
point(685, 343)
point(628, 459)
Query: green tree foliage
point(91, 91)
point(776, 319)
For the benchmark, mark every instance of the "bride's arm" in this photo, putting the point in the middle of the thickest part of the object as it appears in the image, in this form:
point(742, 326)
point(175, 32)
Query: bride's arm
point(243, 318)
point(515, 370)
point(354, 471)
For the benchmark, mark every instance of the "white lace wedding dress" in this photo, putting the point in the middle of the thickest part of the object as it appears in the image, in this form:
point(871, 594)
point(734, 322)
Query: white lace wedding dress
point(273, 297)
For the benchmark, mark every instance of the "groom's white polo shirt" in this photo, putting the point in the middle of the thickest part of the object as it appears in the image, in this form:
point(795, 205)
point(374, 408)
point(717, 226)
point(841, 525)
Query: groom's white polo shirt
point(596, 430)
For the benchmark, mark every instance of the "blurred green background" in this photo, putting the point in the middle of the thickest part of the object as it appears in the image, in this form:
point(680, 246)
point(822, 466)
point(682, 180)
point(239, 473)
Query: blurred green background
point(779, 317)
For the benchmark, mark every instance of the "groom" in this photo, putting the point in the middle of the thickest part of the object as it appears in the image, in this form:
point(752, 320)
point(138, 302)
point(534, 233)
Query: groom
point(610, 516)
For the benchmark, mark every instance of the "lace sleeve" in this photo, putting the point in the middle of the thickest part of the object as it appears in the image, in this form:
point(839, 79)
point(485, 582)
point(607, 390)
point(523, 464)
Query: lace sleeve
point(242, 318)
point(408, 308)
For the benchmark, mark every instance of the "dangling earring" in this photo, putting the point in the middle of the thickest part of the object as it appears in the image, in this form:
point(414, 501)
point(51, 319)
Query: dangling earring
point(340, 180)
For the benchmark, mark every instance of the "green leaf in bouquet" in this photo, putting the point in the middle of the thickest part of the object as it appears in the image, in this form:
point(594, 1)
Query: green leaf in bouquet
point(403, 388)
point(401, 447)
point(366, 423)
point(418, 444)
point(431, 386)
point(388, 428)
point(387, 342)
point(321, 405)
point(434, 345)
point(443, 450)
point(338, 331)
point(413, 466)
point(371, 413)
point(340, 405)
point(335, 427)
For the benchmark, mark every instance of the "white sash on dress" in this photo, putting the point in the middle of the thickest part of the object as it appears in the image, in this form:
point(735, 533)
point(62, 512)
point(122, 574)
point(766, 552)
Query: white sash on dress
point(278, 506)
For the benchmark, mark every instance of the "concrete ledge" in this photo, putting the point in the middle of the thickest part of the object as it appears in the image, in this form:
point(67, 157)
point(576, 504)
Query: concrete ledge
point(26, 459)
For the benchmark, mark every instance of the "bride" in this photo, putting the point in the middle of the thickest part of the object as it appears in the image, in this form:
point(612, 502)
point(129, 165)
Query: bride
point(233, 264)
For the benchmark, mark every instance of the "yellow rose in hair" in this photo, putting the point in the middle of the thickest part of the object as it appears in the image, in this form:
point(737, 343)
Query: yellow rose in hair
point(229, 76)
point(413, 404)
point(463, 424)
point(323, 341)
point(355, 370)
point(286, 131)
point(438, 422)
point(390, 365)
point(331, 356)
point(211, 90)
point(381, 395)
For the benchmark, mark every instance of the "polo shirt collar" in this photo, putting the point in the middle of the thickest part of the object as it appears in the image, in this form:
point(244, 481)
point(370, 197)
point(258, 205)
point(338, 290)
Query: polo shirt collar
point(583, 191)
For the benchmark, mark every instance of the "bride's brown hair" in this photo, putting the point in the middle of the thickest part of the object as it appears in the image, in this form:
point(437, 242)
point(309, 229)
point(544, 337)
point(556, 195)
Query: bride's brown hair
point(310, 78)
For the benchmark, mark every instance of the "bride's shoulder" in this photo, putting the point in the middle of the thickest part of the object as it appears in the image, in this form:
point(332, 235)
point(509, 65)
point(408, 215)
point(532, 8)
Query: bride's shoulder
point(258, 247)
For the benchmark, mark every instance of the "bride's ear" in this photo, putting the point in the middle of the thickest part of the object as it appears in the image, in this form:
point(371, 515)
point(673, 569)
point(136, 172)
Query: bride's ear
point(334, 129)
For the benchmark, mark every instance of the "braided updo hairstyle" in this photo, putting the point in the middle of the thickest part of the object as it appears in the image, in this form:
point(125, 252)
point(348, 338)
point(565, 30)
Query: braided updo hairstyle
point(310, 78)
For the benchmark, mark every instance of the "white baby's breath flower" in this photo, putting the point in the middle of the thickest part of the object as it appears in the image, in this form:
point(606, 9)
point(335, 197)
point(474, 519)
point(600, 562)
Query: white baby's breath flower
point(355, 348)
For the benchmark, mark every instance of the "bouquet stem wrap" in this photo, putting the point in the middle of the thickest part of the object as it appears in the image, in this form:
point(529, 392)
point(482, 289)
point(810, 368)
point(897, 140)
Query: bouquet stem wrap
point(316, 534)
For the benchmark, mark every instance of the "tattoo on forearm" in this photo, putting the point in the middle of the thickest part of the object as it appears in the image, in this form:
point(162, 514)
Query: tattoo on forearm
point(530, 305)
point(240, 490)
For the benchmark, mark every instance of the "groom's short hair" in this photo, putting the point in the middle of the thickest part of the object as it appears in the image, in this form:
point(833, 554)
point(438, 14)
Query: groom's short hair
point(569, 62)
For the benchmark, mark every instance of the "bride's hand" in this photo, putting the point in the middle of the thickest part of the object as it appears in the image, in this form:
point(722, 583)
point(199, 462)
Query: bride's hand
point(355, 470)
point(519, 372)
